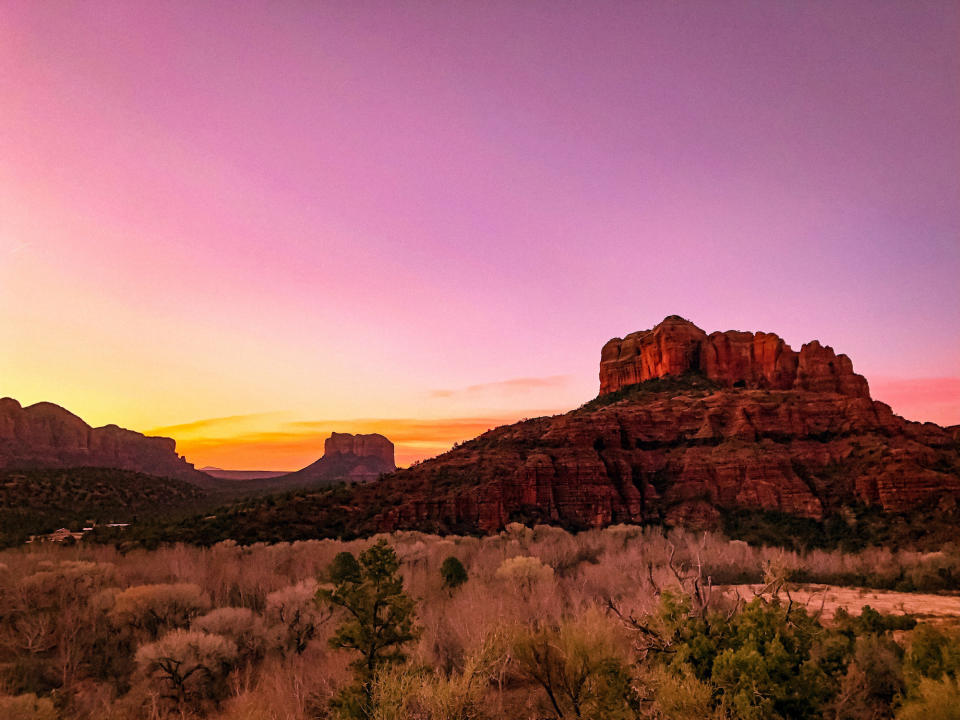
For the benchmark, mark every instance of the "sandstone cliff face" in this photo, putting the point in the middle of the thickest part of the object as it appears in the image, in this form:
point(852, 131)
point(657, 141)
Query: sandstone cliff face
point(45, 435)
point(755, 360)
point(683, 459)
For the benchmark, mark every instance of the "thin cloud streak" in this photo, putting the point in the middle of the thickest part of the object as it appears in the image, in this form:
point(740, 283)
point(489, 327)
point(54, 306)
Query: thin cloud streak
point(207, 423)
point(515, 385)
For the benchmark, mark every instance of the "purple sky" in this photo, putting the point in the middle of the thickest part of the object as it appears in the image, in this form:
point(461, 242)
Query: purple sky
point(318, 211)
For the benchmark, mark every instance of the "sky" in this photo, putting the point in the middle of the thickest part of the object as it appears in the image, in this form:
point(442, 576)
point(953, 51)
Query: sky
point(247, 225)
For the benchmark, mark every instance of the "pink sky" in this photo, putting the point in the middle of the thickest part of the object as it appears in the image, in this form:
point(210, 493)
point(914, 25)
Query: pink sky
point(431, 215)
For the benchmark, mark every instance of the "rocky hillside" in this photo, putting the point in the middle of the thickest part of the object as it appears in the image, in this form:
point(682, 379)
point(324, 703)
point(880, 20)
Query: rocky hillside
point(45, 435)
point(686, 426)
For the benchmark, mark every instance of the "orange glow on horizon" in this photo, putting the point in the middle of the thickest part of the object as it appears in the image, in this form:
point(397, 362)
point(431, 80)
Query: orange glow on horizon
point(296, 444)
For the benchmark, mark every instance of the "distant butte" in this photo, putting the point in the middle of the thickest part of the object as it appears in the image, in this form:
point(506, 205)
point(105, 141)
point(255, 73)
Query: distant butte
point(349, 458)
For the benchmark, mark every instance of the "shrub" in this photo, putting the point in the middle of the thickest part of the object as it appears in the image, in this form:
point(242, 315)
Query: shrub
point(293, 612)
point(525, 571)
point(152, 608)
point(406, 692)
point(27, 707)
point(191, 666)
point(453, 572)
point(933, 699)
point(580, 665)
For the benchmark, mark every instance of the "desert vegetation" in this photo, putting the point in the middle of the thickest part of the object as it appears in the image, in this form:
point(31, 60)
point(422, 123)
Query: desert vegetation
point(43, 500)
point(625, 622)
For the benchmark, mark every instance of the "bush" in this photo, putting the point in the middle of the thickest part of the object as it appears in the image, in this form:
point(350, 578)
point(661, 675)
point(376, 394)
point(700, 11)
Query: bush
point(933, 700)
point(26, 707)
point(191, 666)
point(453, 572)
point(581, 665)
point(294, 614)
point(527, 572)
point(153, 608)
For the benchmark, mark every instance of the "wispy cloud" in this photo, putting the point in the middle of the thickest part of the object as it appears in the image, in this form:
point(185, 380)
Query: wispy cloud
point(515, 385)
point(198, 426)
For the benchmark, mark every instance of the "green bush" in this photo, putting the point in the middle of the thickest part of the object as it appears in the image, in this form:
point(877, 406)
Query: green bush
point(934, 653)
point(932, 700)
point(453, 572)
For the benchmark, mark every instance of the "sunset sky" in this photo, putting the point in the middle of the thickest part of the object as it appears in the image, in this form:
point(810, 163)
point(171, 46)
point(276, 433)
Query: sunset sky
point(248, 224)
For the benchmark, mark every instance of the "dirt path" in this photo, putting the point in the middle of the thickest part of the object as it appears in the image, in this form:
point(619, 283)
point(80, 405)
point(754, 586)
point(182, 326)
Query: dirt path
point(830, 597)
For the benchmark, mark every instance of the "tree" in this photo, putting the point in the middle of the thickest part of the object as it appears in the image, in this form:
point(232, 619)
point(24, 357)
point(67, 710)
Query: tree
point(525, 571)
point(379, 619)
point(934, 653)
point(241, 625)
point(453, 572)
point(344, 567)
point(293, 611)
point(190, 665)
point(152, 608)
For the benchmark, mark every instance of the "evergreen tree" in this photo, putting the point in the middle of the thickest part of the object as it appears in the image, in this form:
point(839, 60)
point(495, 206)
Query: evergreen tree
point(379, 619)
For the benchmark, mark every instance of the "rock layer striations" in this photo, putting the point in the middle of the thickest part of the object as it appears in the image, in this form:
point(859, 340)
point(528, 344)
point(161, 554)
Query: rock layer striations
point(686, 426)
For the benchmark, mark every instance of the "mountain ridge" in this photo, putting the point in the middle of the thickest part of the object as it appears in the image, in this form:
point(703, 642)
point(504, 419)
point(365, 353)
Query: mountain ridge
point(46, 435)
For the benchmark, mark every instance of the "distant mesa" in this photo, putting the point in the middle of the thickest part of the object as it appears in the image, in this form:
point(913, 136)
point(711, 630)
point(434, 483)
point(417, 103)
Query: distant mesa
point(45, 435)
point(347, 458)
point(241, 474)
point(733, 359)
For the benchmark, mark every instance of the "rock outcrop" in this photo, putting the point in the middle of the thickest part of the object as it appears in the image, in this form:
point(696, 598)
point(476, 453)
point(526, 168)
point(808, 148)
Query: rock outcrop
point(733, 359)
point(372, 447)
point(346, 458)
point(45, 435)
point(686, 427)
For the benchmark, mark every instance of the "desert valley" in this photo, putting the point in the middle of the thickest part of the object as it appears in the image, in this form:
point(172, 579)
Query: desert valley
point(722, 496)
point(480, 360)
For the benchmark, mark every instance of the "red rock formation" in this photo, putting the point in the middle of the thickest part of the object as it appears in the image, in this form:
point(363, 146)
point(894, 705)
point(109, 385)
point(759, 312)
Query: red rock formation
point(45, 435)
point(346, 457)
point(682, 458)
point(362, 446)
point(742, 421)
point(754, 360)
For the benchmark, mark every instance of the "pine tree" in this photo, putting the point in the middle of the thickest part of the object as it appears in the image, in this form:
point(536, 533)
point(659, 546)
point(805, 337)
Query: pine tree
point(379, 619)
